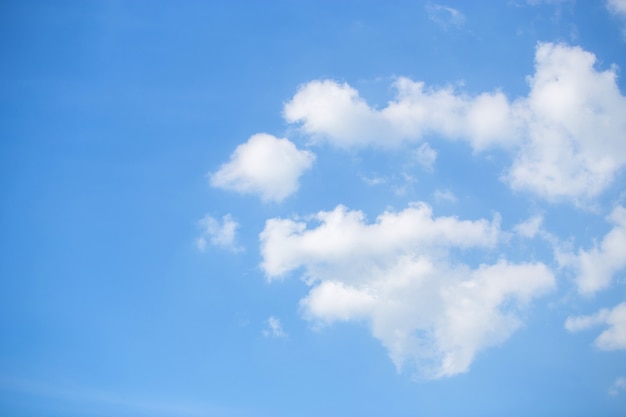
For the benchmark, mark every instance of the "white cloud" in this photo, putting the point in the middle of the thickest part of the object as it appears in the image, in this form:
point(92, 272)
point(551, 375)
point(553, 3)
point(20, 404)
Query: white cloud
point(618, 386)
point(426, 156)
point(265, 166)
point(335, 113)
point(578, 323)
point(618, 8)
point(432, 313)
point(218, 234)
point(445, 195)
point(566, 135)
point(595, 268)
point(613, 338)
point(530, 227)
point(274, 328)
point(574, 127)
point(445, 16)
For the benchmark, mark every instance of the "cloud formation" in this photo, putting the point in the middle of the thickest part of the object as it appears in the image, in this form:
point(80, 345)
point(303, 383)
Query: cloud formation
point(613, 338)
point(432, 313)
point(566, 135)
point(596, 267)
point(221, 234)
point(265, 166)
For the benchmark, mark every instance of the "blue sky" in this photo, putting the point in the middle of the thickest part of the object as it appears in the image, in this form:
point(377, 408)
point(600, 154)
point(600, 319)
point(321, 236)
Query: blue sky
point(313, 208)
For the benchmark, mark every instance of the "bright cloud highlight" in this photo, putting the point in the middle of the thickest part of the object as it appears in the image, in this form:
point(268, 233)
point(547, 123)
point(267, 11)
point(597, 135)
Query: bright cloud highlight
point(431, 312)
point(265, 166)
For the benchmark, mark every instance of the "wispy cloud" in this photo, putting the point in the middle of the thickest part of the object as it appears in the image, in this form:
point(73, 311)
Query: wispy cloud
point(273, 328)
point(618, 386)
point(426, 157)
point(614, 337)
point(221, 234)
point(445, 16)
point(618, 8)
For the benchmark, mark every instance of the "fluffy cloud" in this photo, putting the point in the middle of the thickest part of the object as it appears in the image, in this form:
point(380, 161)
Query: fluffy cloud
point(566, 136)
point(266, 166)
point(445, 195)
point(574, 126)
point(617, 7)
point(221, 234)
point(596, 267)
point(335, 113)
point(431, 312)
point(614, 337)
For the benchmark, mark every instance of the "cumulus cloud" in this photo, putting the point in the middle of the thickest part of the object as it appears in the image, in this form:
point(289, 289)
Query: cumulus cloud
point(574, 126)
point(445, 195)
point(266, 166)
point(566, 135)
point(596, 267)
point(273, 328)
point(613, 338)
point(221, 234)
point(432, 313)
point(335, 113)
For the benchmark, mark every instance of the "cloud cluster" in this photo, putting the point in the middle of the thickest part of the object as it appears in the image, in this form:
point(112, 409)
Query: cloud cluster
point(614, 337)
point(431, 312)
point(265, 166)
point(566, 135)
point(403, 275)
